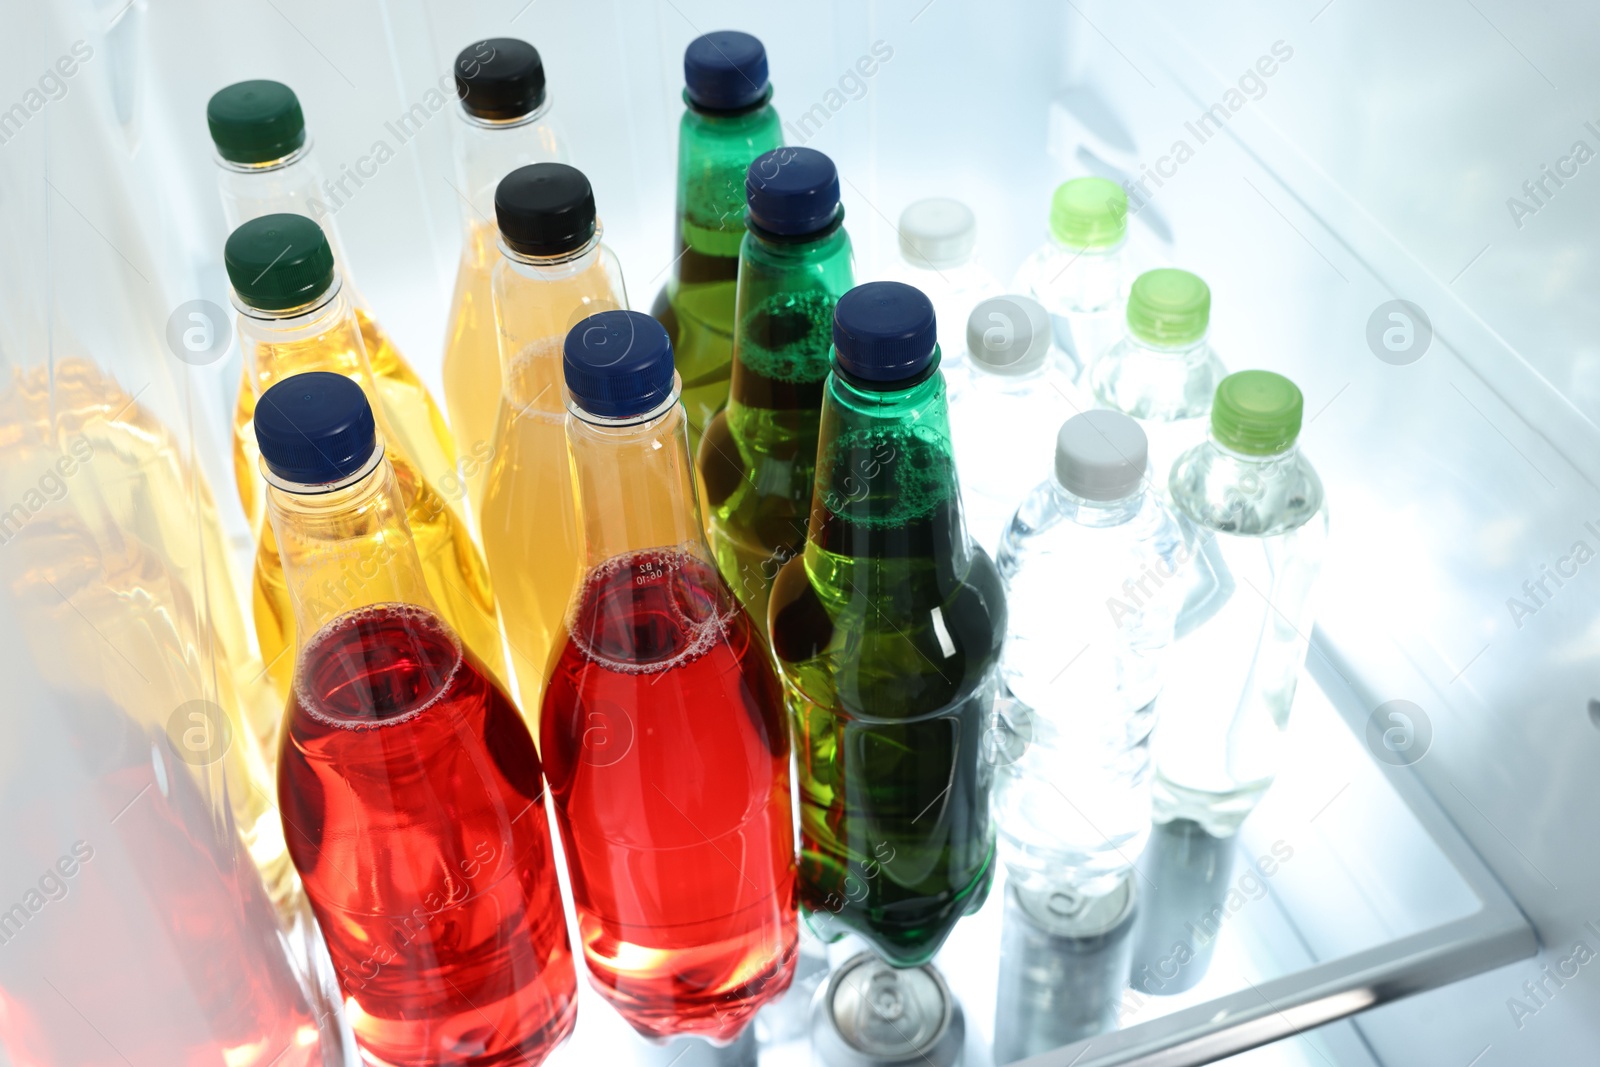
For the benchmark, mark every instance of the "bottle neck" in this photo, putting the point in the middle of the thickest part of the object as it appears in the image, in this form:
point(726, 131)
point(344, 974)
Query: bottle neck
point(886, 491)
point(323, 335)
point(1191, 351)
point(635, 483)
point(1253, 460)
point(784, 324)
point(489, 149)
point(1087, 512)
point(715, 150)
point(293, 185)
point(345, 548)
point(538, 299)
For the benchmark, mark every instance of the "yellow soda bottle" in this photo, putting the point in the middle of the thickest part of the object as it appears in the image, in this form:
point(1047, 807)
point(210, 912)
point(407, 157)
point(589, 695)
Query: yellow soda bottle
point(552, 272)
point(265, 167)
point(293, 317)
point(506, 123)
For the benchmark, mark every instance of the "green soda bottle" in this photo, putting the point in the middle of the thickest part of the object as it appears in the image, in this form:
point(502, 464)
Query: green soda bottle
point(728, 121)
point(759, 453)
point(887, 629)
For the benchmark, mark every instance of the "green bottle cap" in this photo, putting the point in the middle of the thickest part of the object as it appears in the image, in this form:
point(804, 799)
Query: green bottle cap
point(1257, 412)
point(255, 121)
point(278, 262)
point(1169, 307)
point(1089, 213)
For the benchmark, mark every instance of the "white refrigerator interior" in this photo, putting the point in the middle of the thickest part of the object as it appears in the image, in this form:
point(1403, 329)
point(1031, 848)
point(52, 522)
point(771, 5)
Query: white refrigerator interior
point(1393, 206)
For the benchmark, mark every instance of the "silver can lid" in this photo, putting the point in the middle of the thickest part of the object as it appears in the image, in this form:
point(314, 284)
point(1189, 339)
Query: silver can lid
point(1062, 913)
point(873, 1015)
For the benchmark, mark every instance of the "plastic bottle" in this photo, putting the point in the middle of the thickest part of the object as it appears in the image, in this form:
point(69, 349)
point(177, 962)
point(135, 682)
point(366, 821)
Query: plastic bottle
point(265, 167)
point(662, 729)
point(1163, 372)
point(1008, 397)
point(1081, 274)
point(938, 240)
point(505, 124)
point(758, 455)
point(887, 630)
point(552, 272)
point(728, 121)
point(1091, 565)
point(410, 790)
point(1262, 525)
point(293, 317)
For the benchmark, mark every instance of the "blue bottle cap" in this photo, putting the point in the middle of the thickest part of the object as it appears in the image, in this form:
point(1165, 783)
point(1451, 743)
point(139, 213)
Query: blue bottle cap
point(792, 191)
point(884, 333)
point(725, 71)
point(618, 364)
point(315, 428)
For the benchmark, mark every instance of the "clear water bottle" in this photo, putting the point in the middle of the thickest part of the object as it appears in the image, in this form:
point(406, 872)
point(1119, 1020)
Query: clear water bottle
point(1092, 564)
point(1008, 397)
point(1081, 274)
point(1163, 372)
point(1262, 524)
point(938, 255)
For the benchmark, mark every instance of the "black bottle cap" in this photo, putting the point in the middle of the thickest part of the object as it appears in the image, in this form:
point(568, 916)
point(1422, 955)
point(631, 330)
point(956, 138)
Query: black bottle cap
point(545, 209)
point(500, 78)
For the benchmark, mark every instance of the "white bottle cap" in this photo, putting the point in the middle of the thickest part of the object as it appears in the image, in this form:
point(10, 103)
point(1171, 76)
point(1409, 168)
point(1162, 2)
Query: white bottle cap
point(937, 233)
point(1009, 334)
point(1101, 455)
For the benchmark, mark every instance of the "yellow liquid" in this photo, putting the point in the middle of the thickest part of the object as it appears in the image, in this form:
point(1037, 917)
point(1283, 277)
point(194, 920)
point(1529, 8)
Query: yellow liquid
point(472, 362)
point(455, 572)
point(529, 516)
point(122, 571)
point(415, 421)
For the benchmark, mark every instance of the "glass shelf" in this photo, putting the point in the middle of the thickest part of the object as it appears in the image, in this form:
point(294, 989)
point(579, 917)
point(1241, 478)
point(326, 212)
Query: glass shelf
point(1345, 889)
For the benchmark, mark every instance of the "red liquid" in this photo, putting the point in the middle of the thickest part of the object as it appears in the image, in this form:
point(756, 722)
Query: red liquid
point(412, 801)
point(664, 742)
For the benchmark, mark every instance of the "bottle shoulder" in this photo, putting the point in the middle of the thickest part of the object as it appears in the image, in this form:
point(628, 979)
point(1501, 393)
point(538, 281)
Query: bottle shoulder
point(714, 132)
point(873, 649)
point(1052, 536)
point(1249, 497)
point(1164, 385)
point(796, 261)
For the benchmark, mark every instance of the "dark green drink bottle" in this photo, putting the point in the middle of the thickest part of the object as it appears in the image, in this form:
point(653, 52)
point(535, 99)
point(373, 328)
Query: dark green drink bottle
point(728, 121)
point(757, 457)
point(887, 629)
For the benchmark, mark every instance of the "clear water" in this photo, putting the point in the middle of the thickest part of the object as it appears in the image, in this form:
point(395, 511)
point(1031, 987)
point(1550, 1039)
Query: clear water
point(1168, 390)
point(1086, 294)
point(1261, 526)
point(1094, 590)
point(1003, 429)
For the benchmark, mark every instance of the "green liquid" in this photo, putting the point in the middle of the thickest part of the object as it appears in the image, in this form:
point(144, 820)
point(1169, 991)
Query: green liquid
point(758, 456)
point(697, 304)
point(888, 629)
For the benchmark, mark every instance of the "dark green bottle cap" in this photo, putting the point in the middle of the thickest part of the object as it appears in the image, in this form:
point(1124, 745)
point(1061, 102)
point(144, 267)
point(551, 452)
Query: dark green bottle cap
point(278, 262)
point(1169, 307)
point(255, 121)
point(1257, 412)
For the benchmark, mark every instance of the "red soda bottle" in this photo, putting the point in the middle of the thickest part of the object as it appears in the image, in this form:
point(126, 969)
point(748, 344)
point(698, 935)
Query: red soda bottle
point(662, 728)
point(409, 786)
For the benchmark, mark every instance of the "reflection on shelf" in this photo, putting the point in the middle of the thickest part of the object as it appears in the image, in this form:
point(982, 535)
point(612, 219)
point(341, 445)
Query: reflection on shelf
point(1187, 872)
point(1063, 967)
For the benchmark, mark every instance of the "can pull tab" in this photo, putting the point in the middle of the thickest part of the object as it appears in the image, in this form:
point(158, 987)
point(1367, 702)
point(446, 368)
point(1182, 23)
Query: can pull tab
point(884, 996)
